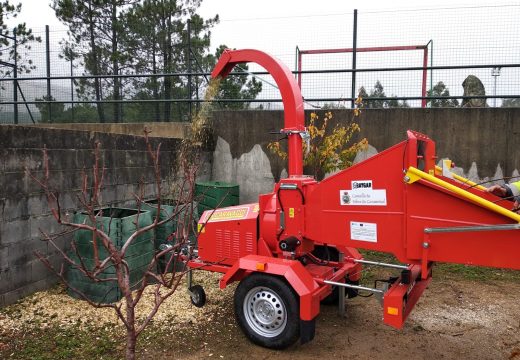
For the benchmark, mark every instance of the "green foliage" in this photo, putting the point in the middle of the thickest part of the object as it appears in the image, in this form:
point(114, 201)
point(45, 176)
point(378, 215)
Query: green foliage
point(157, 37)
point(377, 92)
point(24, 35)
point(54, 112)
point(329, 148)
point(394, 103)
point(381, 103)
point(440, 90)
point(50, 109)
point(117, 37)
point(333, 106)
point(236, 87)
point(98, 29)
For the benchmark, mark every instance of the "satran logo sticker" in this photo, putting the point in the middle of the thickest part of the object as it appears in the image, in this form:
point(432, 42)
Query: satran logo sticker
point(362, 193)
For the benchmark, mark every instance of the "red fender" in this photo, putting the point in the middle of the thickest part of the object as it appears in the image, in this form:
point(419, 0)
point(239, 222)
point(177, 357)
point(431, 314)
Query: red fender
point(293, 271)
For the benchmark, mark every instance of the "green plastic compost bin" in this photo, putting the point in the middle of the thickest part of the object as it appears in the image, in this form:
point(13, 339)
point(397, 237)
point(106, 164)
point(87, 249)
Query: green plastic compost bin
point(213, 194)
point(162, 232)
point(119, 224)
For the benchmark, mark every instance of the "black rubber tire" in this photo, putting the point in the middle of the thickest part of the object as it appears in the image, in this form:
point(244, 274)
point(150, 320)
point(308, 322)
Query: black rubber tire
point(289, 300)
point(197, 295)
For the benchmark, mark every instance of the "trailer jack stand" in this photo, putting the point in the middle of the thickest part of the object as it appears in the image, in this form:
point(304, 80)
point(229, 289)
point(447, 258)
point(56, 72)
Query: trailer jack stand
point(341, 302)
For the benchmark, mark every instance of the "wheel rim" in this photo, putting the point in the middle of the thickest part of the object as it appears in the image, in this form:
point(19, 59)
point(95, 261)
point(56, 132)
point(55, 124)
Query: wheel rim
point(265, 312)
point(195, 298)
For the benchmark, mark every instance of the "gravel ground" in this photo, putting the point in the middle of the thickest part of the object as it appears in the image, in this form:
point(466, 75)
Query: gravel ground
point(454, 319)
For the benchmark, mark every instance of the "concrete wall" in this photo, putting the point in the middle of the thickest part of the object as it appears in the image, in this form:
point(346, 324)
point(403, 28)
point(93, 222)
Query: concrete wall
point(177, 130)
point(24, 209)
point(484, 143)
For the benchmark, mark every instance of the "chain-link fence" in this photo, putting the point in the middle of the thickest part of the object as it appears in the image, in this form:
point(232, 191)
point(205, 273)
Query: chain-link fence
point(415, 58)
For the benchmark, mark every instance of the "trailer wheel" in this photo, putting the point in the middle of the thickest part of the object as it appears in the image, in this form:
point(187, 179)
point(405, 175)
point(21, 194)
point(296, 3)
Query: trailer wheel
point(197, 295)
point(268, 311)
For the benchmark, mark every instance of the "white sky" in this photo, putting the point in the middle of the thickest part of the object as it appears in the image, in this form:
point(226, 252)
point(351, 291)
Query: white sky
point(278, 26)
point(37, 13)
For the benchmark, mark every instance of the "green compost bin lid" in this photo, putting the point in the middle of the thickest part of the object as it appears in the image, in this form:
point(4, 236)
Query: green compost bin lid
point(212, 194)
point(118, 223)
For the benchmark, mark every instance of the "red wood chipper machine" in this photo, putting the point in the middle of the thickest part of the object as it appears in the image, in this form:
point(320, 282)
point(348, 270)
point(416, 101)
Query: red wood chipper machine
point(298, 245)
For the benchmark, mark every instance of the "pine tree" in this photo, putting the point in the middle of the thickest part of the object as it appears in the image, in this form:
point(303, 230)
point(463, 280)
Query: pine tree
point(24, 37)
point(96, 27)
point(440, 90)
point(240, 87)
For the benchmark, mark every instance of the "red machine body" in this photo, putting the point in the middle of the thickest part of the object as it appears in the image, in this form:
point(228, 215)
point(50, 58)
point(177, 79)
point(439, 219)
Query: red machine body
point(233, 232)
point(395, 202)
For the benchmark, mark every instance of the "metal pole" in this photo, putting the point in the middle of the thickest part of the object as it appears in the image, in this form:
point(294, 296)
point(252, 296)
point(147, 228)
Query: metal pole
point(431, 65)
point(190, 279)
point(189, 71)
point(354, 51)
point(72, 83)
point(296, 61)
point(197, 104)
point(495, 92)
point(48, 61)
point(15, 77)
point(154, 83)
point(299, 69)
point(26, 104)
point(341, 290)
point(378, 263)
point(425, 75)
point(495, 72)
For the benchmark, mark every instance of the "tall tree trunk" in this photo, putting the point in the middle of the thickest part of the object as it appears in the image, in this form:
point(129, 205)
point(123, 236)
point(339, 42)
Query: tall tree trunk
point(168, 62)
point(167, 94)
point(115, 62)
point(154, 83)
point(95, 65)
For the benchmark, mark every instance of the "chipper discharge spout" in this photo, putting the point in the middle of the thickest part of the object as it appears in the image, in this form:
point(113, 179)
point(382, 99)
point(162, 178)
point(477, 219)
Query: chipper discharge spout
point(298, 246)
point(291, 97)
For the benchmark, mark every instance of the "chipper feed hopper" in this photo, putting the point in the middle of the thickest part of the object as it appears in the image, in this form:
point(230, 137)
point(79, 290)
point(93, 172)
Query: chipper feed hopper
point(298, 245)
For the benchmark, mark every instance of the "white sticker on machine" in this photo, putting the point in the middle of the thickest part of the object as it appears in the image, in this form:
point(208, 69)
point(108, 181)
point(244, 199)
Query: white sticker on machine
point(360, 197)
point(363, 231)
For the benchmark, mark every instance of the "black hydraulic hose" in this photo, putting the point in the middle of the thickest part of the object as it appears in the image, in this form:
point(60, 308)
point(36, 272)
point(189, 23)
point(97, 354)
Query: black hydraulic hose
point(489, 181)
point(279, 199)
point(301, 193)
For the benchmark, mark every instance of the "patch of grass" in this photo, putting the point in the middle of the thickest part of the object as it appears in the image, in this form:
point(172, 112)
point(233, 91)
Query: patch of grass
point(63, 343)
point(445, 270)
point(476, 272)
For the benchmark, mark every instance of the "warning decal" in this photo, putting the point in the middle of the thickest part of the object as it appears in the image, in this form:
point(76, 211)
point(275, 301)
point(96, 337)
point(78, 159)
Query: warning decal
point(235, 213)
point(363, 231)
